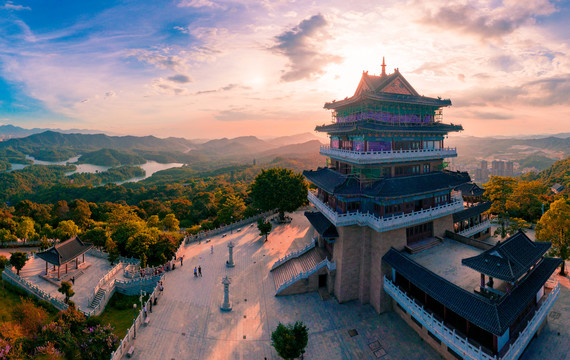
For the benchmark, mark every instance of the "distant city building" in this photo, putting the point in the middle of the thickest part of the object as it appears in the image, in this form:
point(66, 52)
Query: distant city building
point(393, 228)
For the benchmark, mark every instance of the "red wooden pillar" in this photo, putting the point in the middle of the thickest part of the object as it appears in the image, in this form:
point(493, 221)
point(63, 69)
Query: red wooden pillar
point(83, 257)
point(46, 268)
point(444, 314)
point(58, 272)
point(66, 268)
point(467, 328)
point(77, 263)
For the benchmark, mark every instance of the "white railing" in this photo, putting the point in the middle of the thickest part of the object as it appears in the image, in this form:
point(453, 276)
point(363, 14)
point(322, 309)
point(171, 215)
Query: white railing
point(475, 229)
point(519, 345)
point(304, 275)
point(103, 282)
point(225, 228)
point(371, 157)
point(460, 344)
point(10, 276)
point(386, 223)
point(128, 340)
point(295, 254)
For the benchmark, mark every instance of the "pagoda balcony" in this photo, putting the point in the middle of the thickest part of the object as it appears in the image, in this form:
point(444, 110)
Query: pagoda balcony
point(460, 344)
point(476, 229)
point(381, 224)
point(389, 156)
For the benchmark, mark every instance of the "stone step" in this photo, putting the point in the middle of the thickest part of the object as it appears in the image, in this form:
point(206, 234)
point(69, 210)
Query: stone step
point(294, 266)
point(423, 245)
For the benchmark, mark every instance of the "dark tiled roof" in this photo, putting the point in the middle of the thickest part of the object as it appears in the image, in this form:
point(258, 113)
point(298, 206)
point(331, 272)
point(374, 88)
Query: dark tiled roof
point(374, 125)
point(325, 178)
point(470, 189)
point(493, 316)
point(323, 226)
point(65, 252)
point(336, 183)
point(510, 259)
point(389, 97)
point(471, 211)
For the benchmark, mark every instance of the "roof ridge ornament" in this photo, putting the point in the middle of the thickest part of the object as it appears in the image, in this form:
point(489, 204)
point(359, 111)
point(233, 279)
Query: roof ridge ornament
point(383, 67)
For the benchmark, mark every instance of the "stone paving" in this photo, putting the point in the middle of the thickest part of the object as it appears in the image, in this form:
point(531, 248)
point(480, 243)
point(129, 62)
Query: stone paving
point(187, 322)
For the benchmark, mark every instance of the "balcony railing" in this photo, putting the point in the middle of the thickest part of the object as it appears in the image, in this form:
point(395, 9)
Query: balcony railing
point(460, 344)
point(386, 223)
point(475, 229)
point(372, 157)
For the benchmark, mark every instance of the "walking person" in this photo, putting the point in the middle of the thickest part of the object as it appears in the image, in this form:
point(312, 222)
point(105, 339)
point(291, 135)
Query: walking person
point(211, 249)
point(195, 272)
point(199, 271)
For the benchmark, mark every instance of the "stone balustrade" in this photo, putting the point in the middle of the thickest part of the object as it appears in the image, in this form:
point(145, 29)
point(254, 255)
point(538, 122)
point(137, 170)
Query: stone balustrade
point(475, 229)
point(389, 156)
point(386, 223)
point(295, 254)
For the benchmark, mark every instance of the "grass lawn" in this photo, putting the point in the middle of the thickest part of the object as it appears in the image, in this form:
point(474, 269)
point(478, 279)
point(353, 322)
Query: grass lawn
point(10, 296)
point(119, 313)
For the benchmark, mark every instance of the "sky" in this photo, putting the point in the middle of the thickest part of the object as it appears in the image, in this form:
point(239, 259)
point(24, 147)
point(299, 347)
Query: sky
point(212, 69)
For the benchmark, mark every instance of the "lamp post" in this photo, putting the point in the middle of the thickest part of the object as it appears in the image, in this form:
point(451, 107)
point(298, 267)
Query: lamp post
point(230, 262)
point(226, 304)
point(135, 321)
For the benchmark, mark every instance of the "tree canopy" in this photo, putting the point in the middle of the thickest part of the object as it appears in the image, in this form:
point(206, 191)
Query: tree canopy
point(278, 188)
point(290, 340)
point(554, 226)
point(18, 259)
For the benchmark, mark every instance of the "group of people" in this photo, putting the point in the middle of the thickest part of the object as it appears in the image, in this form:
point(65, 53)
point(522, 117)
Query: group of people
point(198, 271)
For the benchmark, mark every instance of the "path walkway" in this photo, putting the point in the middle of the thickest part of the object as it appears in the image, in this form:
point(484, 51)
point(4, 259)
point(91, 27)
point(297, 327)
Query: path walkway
point(188, 324)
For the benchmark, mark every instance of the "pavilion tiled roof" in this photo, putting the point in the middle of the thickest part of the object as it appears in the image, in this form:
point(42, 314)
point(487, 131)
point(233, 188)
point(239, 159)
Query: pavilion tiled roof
point(495, 316)
point(468, 213)
point(323, 226)
point(376, 126)
point(336, 183)
point(510, 259)
point(64, 252)
point(470, 189)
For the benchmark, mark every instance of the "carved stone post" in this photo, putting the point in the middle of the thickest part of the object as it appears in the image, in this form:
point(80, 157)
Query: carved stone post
point(230, 262)
point(226, 305)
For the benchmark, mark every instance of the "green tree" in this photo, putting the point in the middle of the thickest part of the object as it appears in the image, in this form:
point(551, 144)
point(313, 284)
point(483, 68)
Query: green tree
point(98, 343)
point(527, 199)
point(66, 290)
point(499, 190)
point(7, 236)
point(516, 224)
point(18, 259)
point(3, 261)
point(278, 188)
point(111, 248)
point(290, 340)
point(264, 228)
point(97, 236)
point(81, 213)
point(232, 209)
point(170, 223)
point(66, 229)
point(25, 228)
point(153, 221)
point(554, 227)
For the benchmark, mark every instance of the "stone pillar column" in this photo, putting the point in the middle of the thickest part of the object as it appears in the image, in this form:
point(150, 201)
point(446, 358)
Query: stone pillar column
point(226, 305)
point(230, 262)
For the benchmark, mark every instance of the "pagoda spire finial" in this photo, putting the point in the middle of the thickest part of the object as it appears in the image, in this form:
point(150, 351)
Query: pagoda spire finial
point(383, 67)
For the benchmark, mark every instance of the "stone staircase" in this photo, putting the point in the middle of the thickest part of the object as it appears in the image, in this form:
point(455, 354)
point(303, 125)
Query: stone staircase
point(97, 299)
point(424, 244)
point(296, 265)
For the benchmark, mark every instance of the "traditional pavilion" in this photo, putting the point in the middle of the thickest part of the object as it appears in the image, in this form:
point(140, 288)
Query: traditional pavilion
point(65, 253)
point(388, 225)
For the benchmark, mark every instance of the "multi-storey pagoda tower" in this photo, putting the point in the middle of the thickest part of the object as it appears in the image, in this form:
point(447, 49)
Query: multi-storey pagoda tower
point(386, 185)
point(391, 229)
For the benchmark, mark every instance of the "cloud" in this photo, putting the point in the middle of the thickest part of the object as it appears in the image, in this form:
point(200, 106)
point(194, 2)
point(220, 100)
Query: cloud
point(179, 78)
point(228, 87)
point(110, 94)
point(237, 114)
point(302, 45)
point(161, 59)
point(538, 93)
point(485, 115)
point(486, 21)
point(200, 4)
point(11, 6)
point(165, 87)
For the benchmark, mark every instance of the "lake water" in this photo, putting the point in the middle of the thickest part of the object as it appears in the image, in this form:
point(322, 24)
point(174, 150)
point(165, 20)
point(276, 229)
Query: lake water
point(150, 167)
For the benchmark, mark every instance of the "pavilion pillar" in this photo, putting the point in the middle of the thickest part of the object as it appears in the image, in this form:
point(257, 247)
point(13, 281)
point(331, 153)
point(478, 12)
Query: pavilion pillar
point(46, 268)
point(58, 271)
point(467, 328)
point(66, 268)
point(482, 281)
point(77, 263)
point(83, 257)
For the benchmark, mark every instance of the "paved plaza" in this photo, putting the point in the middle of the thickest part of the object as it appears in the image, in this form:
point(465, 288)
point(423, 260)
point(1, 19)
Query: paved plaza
point(188, 323)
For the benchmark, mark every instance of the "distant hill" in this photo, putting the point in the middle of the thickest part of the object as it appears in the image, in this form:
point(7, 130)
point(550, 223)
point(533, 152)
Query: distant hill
point(293, 139)
point(11, 131)
point(234, 147)
point(86, 142)
point(306, 148)
point(559, 173)
point(111, 157)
